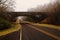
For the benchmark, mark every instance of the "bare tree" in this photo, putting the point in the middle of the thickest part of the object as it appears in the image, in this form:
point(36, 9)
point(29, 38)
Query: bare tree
point(51, 7)
point(6, 5)
point(52, 10)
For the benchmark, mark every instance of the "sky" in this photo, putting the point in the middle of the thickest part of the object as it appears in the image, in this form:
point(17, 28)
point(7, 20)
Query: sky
point(24, 5)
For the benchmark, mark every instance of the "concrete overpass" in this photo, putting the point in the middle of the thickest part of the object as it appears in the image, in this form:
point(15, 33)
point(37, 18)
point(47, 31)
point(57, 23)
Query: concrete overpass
point(13, 15)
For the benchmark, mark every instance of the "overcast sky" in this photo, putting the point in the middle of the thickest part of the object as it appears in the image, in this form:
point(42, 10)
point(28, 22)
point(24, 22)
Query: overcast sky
point(24, 5)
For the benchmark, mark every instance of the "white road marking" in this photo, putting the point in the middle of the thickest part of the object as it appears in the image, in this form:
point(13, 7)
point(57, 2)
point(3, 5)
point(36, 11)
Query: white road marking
point(49, 34)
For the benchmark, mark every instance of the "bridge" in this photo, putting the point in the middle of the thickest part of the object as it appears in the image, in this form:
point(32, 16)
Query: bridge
point(33, 15)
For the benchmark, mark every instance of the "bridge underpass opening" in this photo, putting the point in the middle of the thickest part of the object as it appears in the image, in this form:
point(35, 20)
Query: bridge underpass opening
point(21, 18)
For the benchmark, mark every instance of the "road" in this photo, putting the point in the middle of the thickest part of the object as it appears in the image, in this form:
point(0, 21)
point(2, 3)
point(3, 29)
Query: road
point(33, 32)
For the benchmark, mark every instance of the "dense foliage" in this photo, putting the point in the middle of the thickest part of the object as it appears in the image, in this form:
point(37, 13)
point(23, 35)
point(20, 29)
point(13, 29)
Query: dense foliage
point(4, 24)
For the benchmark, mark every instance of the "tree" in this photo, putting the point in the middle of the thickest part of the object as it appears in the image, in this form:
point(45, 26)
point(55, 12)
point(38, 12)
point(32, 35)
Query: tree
point(53, 12)
point(51, 7)
point(6, 5)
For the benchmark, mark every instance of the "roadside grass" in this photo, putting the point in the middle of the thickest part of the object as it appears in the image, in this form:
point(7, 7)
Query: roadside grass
point(44, 25)
point(15, 27)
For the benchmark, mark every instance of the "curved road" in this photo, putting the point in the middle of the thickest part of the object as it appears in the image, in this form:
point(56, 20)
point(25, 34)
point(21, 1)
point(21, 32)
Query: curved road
point(32, 32)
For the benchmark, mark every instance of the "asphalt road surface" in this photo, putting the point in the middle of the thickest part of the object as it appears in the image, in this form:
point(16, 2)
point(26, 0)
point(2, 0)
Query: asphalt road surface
point(32, 32)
